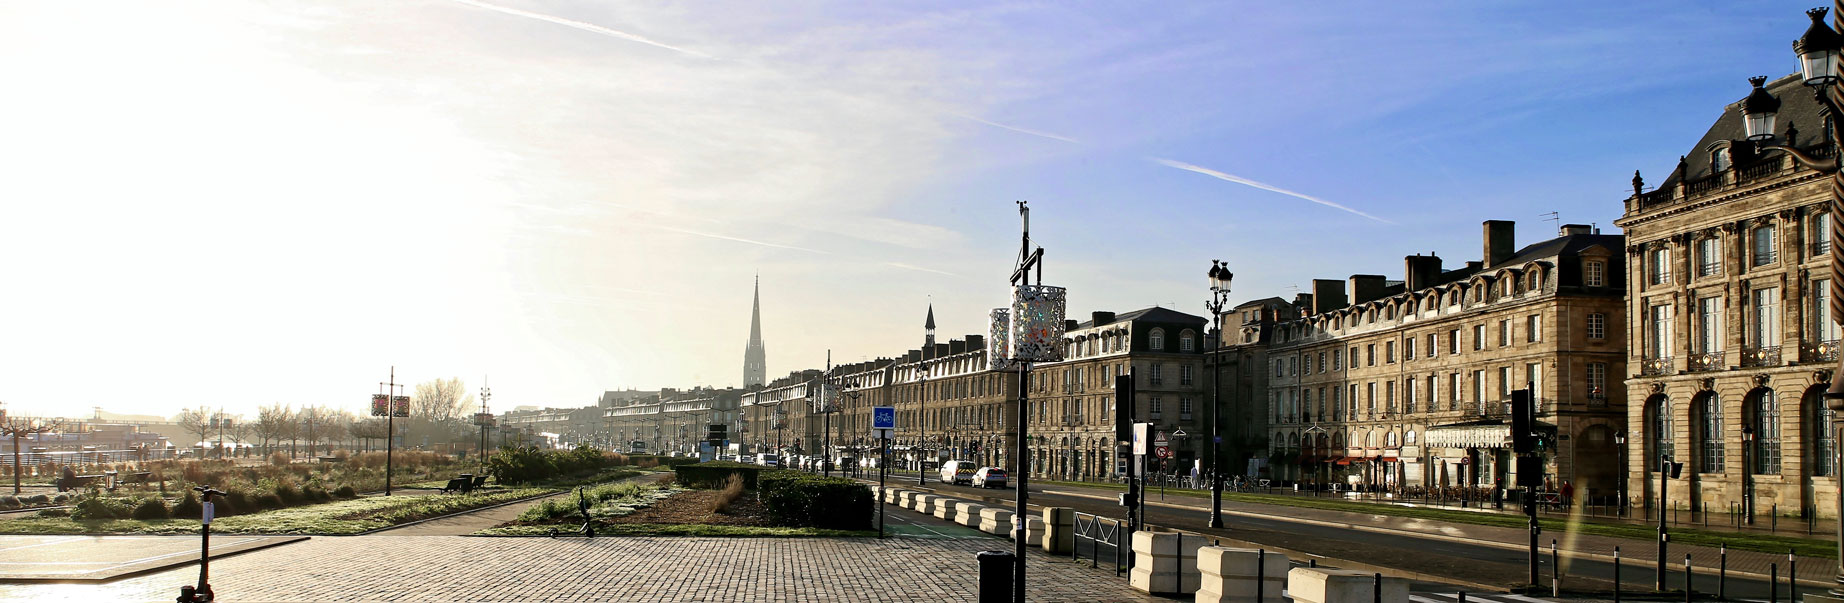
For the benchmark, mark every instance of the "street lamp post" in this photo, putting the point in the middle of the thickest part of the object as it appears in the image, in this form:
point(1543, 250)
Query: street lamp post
point(1219, 297)
point(922, 423)
point(1620, 442)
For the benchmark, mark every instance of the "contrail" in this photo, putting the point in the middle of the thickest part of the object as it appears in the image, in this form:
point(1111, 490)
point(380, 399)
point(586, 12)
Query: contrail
point(589, 27)
point(730, 238)
point(920, 269)
point(1018, 129)
point(1263, 186)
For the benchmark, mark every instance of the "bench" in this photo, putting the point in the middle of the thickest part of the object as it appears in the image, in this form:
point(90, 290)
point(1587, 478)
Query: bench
point(76, 481)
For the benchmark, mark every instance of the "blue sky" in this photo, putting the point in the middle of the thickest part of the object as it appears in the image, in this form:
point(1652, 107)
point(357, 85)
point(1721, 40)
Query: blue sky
point(272, 202)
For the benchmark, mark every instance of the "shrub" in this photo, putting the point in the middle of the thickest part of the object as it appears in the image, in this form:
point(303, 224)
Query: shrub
point(268, 502)
point(653, 460)
point(716, 474)
point(733, 489)
point(152, 508)
point(315, 494)
point(286, 492)
point(188, 508)
point(54, 513)
point(799, 499)
point(9, 501)
point(60, 499)
point(277, 458)
point(39, 499)
point(346, 492)
point(97, 507)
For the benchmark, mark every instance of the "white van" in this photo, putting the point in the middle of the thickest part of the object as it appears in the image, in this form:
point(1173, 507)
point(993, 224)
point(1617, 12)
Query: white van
point(957, 472)
point(768, 459)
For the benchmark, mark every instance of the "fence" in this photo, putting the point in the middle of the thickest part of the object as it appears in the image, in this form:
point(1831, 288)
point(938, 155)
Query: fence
point(1097, 531)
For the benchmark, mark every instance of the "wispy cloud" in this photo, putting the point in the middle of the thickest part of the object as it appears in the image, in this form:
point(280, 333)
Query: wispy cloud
point(920, 269)
point(737, 239)
point(585, 26)
point(1017, 129)
point(1261, 185)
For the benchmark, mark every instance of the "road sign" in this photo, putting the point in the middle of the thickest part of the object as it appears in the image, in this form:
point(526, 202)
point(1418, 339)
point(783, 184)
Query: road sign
point(1139, 437)
point(882, 434)
point(883, 417)
point(1163, 452)
point(1160, 440)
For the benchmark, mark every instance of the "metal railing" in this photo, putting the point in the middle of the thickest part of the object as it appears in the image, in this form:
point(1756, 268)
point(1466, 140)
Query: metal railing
point(1759, 170)
point(1821, 351)
point(1655, 366)
point(1099, 531)
point(1711, 361)
point(1761, 356)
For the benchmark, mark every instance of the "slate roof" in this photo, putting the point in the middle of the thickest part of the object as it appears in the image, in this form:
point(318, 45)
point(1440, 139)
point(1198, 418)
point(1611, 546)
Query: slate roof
point(1797, 109)
point(1153, 314)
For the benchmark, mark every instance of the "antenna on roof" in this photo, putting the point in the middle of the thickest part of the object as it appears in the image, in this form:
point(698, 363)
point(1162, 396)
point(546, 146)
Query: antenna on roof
point(1554, 218)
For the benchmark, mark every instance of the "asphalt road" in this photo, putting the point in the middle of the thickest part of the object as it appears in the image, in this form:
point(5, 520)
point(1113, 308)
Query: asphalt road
point(1462, 561)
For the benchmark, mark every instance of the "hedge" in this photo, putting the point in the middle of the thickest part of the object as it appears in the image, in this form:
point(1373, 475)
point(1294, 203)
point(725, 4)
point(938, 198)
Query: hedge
point(800, 499)
point(668, 461)
point(713, 474)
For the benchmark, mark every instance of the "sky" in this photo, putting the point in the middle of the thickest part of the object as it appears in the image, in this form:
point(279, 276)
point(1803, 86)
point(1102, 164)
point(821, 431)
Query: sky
point(240, 204)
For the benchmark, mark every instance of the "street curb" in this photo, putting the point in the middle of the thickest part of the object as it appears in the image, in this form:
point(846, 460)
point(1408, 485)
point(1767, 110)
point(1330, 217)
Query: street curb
point(1331, 561)
point(473, 510)
point(1490, 543)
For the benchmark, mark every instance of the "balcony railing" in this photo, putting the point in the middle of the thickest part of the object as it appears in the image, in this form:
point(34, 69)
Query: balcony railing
point(1761, 356)
point(1821, 351)
point(1655, 366)
point(1711, 361)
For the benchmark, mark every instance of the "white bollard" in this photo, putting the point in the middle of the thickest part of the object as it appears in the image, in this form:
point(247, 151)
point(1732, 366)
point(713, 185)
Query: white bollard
point(995, 521)
point(1324, 585)
point(1230, 575)
point(1165, 562)
point(944, 507)
point(969, 514)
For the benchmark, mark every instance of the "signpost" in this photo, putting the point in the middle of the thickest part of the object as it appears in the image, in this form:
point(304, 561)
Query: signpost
point(883, 421)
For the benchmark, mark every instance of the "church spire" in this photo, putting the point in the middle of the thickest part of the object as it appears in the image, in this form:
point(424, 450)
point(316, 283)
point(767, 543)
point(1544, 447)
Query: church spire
point(930, 325)
point(755, 363)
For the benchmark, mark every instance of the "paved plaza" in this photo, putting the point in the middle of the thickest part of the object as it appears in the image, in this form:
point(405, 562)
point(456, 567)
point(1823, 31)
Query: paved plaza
point(101, 558)
point(464, 568)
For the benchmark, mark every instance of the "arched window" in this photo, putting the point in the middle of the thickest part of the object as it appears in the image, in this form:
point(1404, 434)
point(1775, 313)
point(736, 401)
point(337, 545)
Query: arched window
point(1709, 433)
point(1819, 427)
point(1532, 280)
point(1408, 439)
point(1765, 421)
point(1658, 430)
point(1156, 340)
point(1186, 341)
point(1719, 159)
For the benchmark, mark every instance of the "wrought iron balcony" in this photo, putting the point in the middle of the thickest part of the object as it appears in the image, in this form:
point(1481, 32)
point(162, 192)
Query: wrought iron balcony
point(1655, 366)
point(1820, 351)
point(1761, 356)
point(1711, 361)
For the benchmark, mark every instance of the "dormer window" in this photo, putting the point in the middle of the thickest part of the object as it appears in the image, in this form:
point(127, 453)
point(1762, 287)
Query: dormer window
point(1156, 340)
point(1719, 159)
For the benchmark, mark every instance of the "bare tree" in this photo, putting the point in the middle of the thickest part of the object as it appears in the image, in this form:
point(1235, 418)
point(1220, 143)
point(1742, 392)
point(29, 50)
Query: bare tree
point(368, 429)
point(339, 426)
point(272, 423)
point(195, 421)
point(440, 400)
point(314, 423)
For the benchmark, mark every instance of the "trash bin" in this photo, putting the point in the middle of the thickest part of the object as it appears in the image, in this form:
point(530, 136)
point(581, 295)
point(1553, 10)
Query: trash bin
point(995, 576)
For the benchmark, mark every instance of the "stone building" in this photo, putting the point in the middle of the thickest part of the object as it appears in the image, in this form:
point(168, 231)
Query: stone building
point(1730, 316)
point(1243, 380)
point(1402, 384)
point(673, 420)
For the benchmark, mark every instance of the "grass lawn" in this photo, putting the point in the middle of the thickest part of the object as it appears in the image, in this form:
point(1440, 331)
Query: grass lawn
point(336, 518)
point(1766, 543)
point(658, 529)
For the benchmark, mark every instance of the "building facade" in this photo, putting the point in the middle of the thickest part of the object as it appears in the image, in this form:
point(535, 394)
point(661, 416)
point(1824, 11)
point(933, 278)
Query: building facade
point(1401, 385)
point(1729, 307)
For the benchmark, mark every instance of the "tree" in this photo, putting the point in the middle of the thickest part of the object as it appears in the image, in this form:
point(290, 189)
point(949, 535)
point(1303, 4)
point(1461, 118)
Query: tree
point(195, 421)
point(440, 400)
point(339, 425)
point(273, 423)
point(314, 423)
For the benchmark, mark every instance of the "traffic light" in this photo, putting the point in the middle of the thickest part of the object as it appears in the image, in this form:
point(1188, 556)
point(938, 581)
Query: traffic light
point(1523, 422)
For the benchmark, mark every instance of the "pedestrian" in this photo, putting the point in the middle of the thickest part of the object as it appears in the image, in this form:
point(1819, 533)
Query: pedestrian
point(1568, 494)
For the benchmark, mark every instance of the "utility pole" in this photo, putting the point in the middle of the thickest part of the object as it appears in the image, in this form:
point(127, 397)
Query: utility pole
point(390, 423)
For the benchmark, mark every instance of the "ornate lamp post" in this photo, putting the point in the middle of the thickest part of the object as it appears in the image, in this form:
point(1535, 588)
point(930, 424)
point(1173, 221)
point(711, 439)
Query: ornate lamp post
point(1219, 297)
point(1620, 442)
point(922, 424)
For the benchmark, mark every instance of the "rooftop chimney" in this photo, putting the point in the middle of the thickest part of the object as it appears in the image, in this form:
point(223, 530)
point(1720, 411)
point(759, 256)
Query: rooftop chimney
point(1575, 229)
point(1367, 287)
point(913, 356)
point(1069, 325)
point(976, 342)
point(1303, 301)
point(1420, 272)
point(1500, 241)
point(1102, 318)
point(1328, 295)
point(956, 346)
point(941, 349)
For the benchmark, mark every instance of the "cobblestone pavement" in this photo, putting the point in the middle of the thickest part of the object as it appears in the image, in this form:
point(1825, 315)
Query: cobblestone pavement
point(461, 568)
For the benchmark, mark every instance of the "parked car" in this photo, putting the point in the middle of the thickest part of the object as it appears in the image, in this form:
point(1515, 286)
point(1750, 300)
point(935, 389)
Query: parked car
point(768, 459)
point(989, 477)
point(749, 459)
point(957, 472)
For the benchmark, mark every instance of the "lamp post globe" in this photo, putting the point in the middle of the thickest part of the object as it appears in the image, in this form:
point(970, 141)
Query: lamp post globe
point(1818, 51)
point(1759, 111)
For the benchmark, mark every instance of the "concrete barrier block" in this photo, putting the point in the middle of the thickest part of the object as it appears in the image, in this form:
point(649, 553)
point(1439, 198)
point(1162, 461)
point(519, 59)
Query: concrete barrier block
point(925, 503)
point(1033, 532)
point(969, 514)
point(907, 498)
point(1325, 585)
point(944, 507)
point(995, 521)
point(1059, 529)
point(1165, 562)
point(1227, 575)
